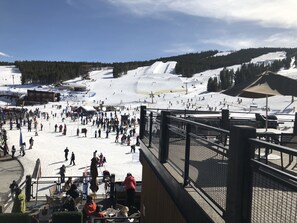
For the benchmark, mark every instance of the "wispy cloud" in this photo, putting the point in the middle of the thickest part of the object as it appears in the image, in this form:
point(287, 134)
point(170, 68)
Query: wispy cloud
point(4, 55)
point(232, 43)
point(286, 39)
point(269, 13)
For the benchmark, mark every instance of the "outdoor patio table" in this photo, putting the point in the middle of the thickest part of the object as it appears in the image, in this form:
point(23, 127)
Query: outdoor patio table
point(271, 135)
point(111, 212)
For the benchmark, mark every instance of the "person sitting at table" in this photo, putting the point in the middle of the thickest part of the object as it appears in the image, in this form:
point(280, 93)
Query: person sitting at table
point(69, 204)
point(91, 209)
point(67, 184)
point(73, 191)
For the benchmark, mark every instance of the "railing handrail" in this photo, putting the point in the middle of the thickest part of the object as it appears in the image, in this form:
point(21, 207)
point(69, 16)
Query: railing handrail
point(58, 176)
point(244, 166)
point(186, 121)
point(273, 146)
point(9, 199)
point(272, 169)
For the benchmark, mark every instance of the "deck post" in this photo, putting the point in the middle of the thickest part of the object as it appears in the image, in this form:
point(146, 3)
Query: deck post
point(295, 125)
point(239, 179)
point(164, 137)
point(142, 121)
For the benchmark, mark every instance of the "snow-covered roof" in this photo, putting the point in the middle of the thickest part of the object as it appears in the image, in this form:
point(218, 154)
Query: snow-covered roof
point(88, 108)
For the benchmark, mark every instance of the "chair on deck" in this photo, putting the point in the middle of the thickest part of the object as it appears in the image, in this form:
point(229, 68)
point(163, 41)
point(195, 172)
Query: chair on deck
point(53, 190)
point(78, 200)
point(52, 202)
point(221, 140)
point(261, 121)
point(289, 140)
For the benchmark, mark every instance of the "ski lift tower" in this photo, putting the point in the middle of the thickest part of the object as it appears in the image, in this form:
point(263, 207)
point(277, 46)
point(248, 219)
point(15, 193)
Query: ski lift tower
point(152, 95)
point(186, 84)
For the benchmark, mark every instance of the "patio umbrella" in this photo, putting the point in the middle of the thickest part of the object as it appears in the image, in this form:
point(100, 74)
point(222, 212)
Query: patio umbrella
point(93, 168)
point(265, 85)
point(94, 175)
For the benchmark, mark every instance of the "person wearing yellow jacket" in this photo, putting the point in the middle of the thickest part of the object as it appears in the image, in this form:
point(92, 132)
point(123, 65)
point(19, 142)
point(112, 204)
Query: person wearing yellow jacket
point(19, 205)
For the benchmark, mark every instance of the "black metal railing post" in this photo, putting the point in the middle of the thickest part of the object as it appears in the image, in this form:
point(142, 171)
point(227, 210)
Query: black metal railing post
point(28, 188)
point(113, 197)
point(187, 155)
point(150, 130)
point(142, 121)
point(164, 137)
point(239, 178)
point(225, 119)
point(295, 125)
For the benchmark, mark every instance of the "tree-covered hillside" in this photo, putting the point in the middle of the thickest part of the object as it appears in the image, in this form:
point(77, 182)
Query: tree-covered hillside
point(48, 72)
point(189, 64)
point(247, 71)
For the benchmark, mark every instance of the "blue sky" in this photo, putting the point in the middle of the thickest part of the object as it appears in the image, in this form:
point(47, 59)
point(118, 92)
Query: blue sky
point(129, 30)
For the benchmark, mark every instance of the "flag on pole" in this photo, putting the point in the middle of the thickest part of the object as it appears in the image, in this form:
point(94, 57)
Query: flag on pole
point(21, 137)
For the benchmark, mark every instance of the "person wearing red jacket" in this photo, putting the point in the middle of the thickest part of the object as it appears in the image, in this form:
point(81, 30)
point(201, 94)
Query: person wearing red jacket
point(130, 186)
point(91, 209)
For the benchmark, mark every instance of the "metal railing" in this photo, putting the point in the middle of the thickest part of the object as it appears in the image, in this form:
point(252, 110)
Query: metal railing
point(40, 187)
point(10, 199)
point(200, 153)
point(228, 168)
point(274, 191)
point(152, 130)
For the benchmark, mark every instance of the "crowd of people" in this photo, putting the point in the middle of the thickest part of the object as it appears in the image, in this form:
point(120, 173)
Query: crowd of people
point(90, 207)
point(125, 131)
point(105, 123)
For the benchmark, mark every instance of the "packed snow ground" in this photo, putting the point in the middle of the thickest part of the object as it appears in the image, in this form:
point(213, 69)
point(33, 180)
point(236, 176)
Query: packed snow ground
point(49, 148)
point(154, 86)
